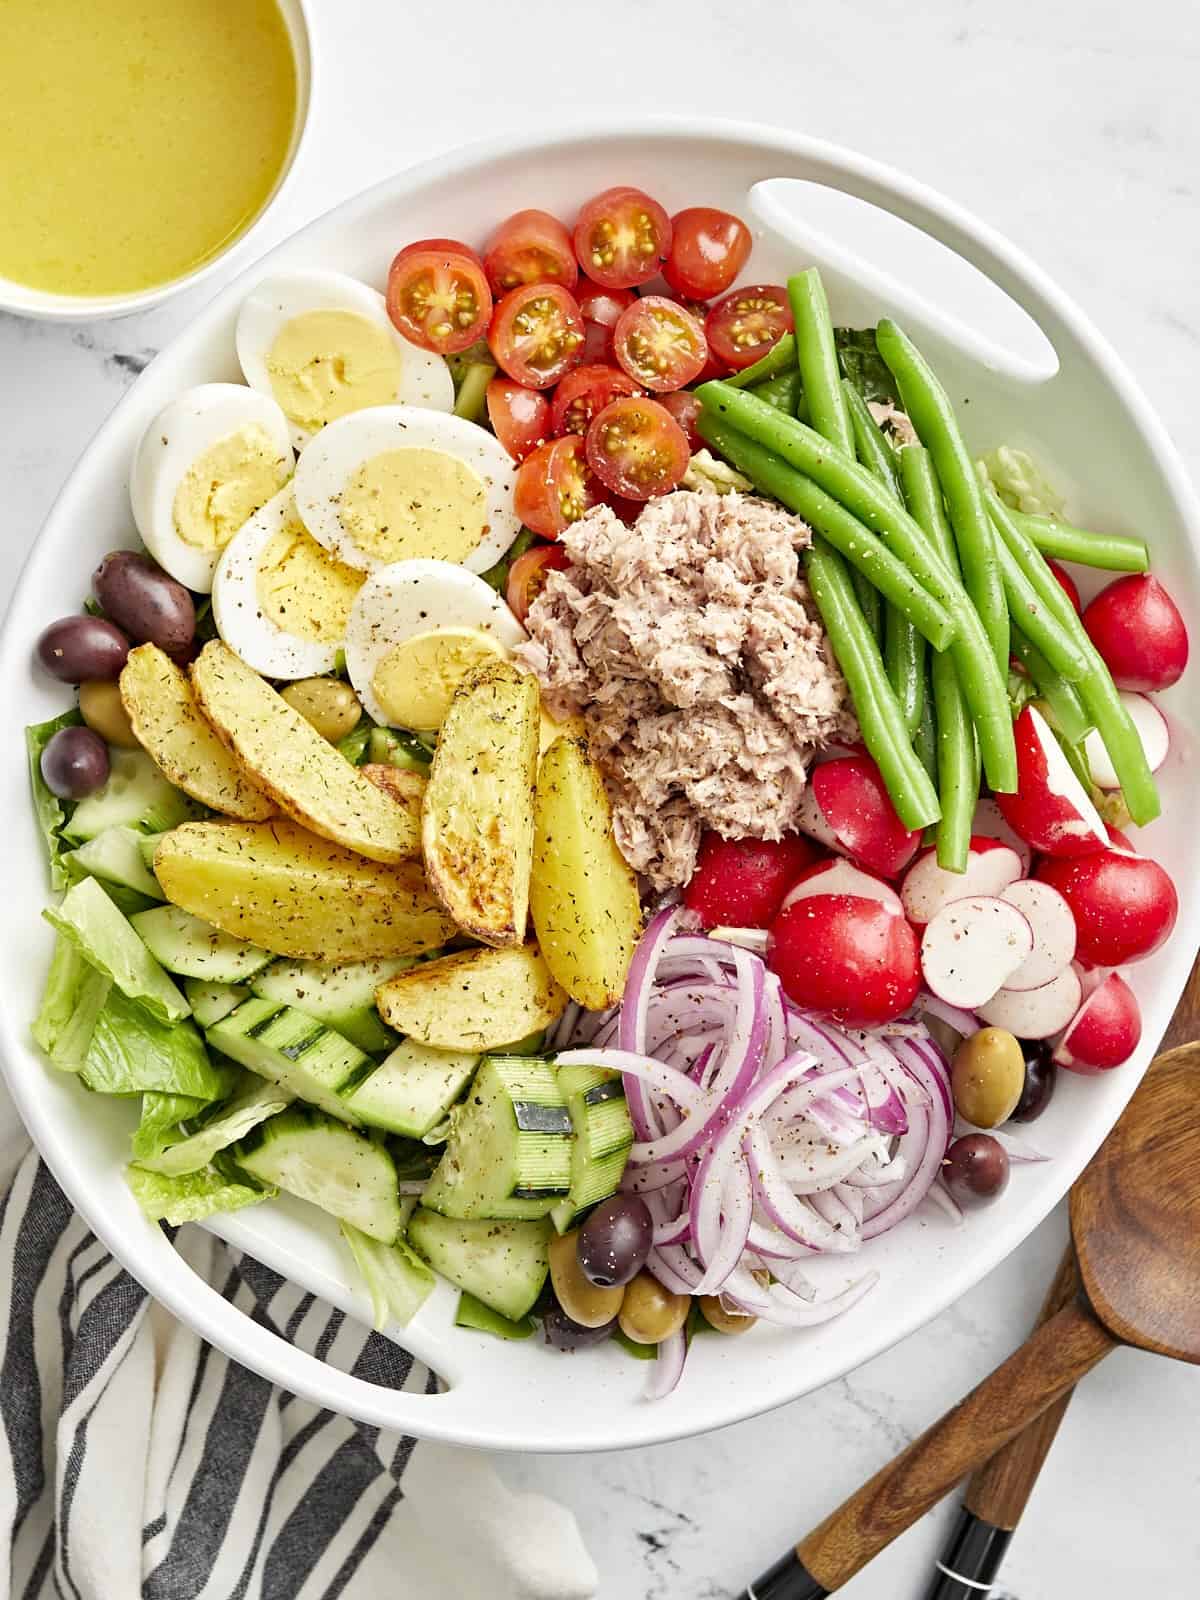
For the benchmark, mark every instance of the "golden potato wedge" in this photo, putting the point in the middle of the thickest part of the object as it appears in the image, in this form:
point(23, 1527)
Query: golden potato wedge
point(308, 778)
point(549, 730)
point(477, 818)
point(406, 788)
point(179, 739)
point(583, 896)
point(473, 1000)
point(297, 895)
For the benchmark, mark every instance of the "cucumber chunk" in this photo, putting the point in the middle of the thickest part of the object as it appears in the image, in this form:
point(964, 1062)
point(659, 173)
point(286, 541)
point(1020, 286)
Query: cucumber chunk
point(504, 1264)
point(317, 1159)
point(135, 796)
point(595, 1099)
point(291, 1049)
point(413, 1089)
point(115, 856)
point(341, 995)
point(212, 1001)
point(195, 949)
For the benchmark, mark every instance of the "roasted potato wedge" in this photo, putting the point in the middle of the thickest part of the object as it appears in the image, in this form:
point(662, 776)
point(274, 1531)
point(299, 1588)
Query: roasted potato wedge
point(549, 730)
point(406, 788)
point(474, 1000)
point(307, 776)
point(179, 739)
point(297, 895)
point(477, 818)
point(583, 896)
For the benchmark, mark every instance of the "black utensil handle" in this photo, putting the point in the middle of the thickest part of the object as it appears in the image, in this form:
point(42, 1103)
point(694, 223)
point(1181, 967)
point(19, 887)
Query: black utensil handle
point(788, 1579)
point(972, 1560)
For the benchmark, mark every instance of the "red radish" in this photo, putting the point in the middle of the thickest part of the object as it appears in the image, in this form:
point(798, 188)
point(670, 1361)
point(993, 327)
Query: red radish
point(1137, 628)
point(840, 877)
point(1152, 730)
point(847, 956)
point(972, 947)
point(741, 882)
point(991, 867)
point(1050, 809)
point(853, 804)
point(1035, 1013)
point(1053, 926)
point(989, 821)
point(810, 819)
point(1121, 841)
point(1067, 583)
point(1104, 1032)
point(1124, 905)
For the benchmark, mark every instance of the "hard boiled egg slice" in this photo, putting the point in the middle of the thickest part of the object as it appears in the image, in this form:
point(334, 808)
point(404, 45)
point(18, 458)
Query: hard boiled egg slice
point(280, 601)
point(416, 630)
point(205, 465)
point(398, 484)
point(322, 345)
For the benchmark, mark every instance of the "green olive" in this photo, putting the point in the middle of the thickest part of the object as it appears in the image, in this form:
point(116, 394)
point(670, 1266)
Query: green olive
point(582, 1301)
point(716, 1314)
point(987, 1076)
point(650, 1312)
point(329, 704)
point(102, 708)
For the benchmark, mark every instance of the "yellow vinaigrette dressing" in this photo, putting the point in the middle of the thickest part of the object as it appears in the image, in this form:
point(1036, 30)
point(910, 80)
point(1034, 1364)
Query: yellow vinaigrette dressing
point(137, 137)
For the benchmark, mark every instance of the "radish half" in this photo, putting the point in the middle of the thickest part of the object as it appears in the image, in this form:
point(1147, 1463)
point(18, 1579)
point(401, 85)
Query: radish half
point(1104, 1032)
point(991, 867)
point(1152, 730)
point(840, 876)
point(989, 821)
point(1053, 925)
point(1050, 809)
point(1035, 1013)
point(972, 947)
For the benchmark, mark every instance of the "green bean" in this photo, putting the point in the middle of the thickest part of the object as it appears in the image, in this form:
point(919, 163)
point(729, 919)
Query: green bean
point(1067, 712)
point(1027, 608)
point(870, 443)
point(870, 602)
point(1113, 552)
point(472, 390)
point(785, 392)
point(925, 738)
point(932, 415)
point(923, 496)
point(817, 359)
point(780, 358)
point(879, 717)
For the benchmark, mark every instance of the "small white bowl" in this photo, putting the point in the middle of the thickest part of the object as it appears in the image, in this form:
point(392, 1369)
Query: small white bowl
point(45, 306)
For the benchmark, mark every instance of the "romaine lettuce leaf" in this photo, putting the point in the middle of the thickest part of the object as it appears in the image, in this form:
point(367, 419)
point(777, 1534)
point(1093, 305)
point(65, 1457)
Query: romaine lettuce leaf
point(397, 1280)
point(863, 366)
point(49, 810)
point(92, 922)
point(253, 1102)
point(704, 471)
point(472, 1313)
point(159, 1127)
point(132, 1052)
point(192, 1197)
point(1020, 482)
point(74, 995)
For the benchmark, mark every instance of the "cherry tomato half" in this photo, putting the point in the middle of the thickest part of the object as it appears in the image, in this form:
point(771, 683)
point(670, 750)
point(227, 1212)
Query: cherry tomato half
point(708, 250)
point(528, 573)
point(685, 408)
point(622, 238)
point(584, 392)
point(537, 334)
point(659, 344)
point(601, 309)
point(520, 417)
point(530, 247)
point(437, 295)
point(637, 449)
point(745, 325)
point(555, 486)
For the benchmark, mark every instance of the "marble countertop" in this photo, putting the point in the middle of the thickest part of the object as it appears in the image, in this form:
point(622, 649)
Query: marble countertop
point(1074, 129)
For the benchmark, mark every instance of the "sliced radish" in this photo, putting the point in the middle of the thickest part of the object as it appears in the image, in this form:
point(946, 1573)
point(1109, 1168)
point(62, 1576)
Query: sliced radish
point(1104, 1032)
point(972, 947)
point(1152, 730)
point(1053, 925)
point(854, 803)
point(810, 819)
point(1050, 810)
point(989, 821)
point(840, 876)
point(991, 867)
point(1035, 1013)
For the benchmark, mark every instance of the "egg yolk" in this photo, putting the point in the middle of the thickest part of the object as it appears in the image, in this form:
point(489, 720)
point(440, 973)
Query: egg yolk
point(325, 364)
point(410, 503)
point(225, 484)
point(417, 679)
point(302, 589)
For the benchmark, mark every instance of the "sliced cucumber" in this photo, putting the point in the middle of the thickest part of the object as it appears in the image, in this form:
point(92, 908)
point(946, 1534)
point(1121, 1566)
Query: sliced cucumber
point(412, 1090)
point(233, 1120)
point(115, 856)
point(595, 1098)
point(291, 1049)
point(195, 949)
point(148, 843)
point(342, 996)
point(504, 1264)
point(509, 1149)
point(320, 1160)
point(135, 796)
point(212, 1001)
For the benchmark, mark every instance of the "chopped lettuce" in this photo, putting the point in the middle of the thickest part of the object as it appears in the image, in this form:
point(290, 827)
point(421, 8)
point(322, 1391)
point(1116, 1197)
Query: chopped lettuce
point(93, 923)
point(191, 1197)
point(863, 366)
point(398, 1282)
point(639, 1352)
point(160, 1124)
point(254, 1101)
point(1020, 482)
point(472, 1313)
point(48, 809)
point(704, 471)
point(75, 992)
point(132, 1052)
point(392, 747)
point(354, 745)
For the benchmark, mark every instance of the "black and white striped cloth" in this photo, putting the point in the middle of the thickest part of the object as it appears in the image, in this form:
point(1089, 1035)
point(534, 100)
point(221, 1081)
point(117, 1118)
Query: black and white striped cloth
point(135, 1460)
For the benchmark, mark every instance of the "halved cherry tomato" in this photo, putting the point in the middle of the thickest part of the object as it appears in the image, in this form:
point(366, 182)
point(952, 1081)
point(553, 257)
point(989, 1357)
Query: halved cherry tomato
point(659, 344)
point(537, 334)
point(584, 392)
point(601, 309)
point(530, 247)
point(685, 408)
point(708, 250)
point(745, 325)
point(528, 573)
point(622, 238)
point(520, 417)
point(555, 486)
point(437, 295)
point(637, 449)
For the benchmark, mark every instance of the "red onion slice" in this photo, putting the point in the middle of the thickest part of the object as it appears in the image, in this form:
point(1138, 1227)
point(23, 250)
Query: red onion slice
point(667, 1370)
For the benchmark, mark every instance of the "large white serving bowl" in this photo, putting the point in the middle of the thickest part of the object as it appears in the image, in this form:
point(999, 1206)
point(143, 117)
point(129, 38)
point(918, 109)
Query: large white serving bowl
point(1088, 420)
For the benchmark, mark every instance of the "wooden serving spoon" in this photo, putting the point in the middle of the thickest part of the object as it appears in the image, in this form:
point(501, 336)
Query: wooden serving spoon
point(1135, 1224)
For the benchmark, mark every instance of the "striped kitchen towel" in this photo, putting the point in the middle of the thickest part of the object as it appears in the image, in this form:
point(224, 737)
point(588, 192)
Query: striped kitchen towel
point(135, 1460)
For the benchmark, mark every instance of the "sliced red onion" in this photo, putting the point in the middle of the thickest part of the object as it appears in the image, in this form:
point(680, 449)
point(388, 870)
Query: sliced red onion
point(785, 1210)
point(656, 1175)
point(722, 1243)
point(945, 1201)
point(924, 1146)
point(674, 1268)
point(852, 1199)
point(1015, 1148)
point(668, 1366)
point(675, 1230)
point(835, 1212)
point(755, 939)
point(792, 1275)
point(964, 1023)
point(767, 1241)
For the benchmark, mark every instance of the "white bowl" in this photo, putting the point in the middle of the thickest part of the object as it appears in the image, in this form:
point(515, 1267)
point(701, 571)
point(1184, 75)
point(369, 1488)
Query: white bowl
point(45, 306)
point(1090, 424)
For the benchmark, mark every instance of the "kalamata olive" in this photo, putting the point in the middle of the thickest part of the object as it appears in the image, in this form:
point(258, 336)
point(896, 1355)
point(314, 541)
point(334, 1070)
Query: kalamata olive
point(615, 1240)
point(138, 595)
point(565, 1334)
point(75, 648)
point(75, 763)
point(718, 1316)
point(1041, 1074)
point(649, 1313)
point(976, 1169)
point(987, 1076)
point(104, 712)
point(582, 1301)
point(329, 704)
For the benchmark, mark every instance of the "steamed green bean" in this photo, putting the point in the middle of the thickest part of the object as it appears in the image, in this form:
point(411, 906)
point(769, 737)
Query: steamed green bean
point(817, 359)
point(1112, 552)
point(780, 358)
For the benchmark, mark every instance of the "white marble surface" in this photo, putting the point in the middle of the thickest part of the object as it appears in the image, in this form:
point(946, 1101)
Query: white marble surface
point(1074, 128)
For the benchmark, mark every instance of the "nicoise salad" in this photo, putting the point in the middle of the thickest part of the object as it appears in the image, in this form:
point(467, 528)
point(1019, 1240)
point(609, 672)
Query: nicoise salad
point(588, 782)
